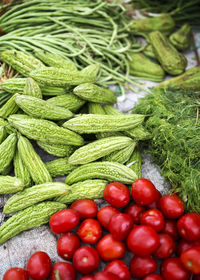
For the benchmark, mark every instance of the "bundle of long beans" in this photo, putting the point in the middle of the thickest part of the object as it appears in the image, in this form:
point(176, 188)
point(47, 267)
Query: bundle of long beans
point(86, 31)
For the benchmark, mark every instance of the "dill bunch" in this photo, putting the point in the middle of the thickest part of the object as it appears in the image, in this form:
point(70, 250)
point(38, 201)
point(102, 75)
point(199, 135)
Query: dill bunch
point(174, 123)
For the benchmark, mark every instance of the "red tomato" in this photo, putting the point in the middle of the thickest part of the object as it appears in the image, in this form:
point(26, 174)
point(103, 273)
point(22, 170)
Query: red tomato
point(191, 259)
point(89, 231)
point(170, 227)
point(173, 269)
point(39, 266)
point(166, 248)
point(64, 221)
point(116, 194)
point(142, 240)
point(155, 204)
point(143, 191)
point(85, 207)
point(105, 214)
point(153, 218)
point(172, 206)
point(110, 249)
point(119, 268)
point(189, 226)
point(142, 266)
point(15, 273)
point(120, 225)
point(134, 211)
point(63, 271)
point(153, 276)
point(67, 244)
point(87, 277)
point(186, 244)
point(105, 275)
point(85, 259)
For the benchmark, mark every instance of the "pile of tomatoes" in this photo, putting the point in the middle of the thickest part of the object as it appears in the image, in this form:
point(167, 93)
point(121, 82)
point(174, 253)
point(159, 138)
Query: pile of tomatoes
point(163, 240)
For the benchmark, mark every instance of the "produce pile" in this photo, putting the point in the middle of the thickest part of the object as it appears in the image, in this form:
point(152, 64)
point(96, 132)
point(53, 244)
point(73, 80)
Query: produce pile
point(93, 142)
point(164, 242)
point(173, 121)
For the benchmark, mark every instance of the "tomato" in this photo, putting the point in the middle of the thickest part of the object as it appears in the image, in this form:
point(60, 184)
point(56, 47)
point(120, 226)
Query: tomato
point(143, 191)
point(39, 266)
point(116, 194)
point(119, 268)
point(16, 273)
point(105, 275)
point(89, 231)
point(63, 271)
point(105, 214)
point(85, 259)
point(85, 207)
point(155, 204)
point(166, 248)
point(142, 240)
point(135, 211)
point(120, 225)
point(189, 226)
point(64, 221)
point(142, 266)
point(170, 227)
point(153, 276)
point(171, 206)
point(67, 244)
point(110, 249)
point(186, 244)
point(191, 259)
point(173, 269)
point(87, 277)
point(153, 218)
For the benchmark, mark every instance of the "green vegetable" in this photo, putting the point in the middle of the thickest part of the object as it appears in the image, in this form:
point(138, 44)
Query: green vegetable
point(175, 127)
point(9, 184)
point(33, 216)
point(59, 167)
point(181, 39)
point(7, 151)
point(32, 88)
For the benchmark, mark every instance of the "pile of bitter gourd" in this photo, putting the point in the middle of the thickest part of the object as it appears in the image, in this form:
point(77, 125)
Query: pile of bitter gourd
point(71, 117)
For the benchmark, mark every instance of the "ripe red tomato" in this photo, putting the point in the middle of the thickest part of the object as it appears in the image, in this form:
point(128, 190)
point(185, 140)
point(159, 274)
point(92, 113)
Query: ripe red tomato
point(173, 269)
point(155, 204)
point(119, 268)
point(143, 191)
point(63, 271)
point(89, 231)
point(87, 277)
point(85, 207)
point(85, 259)
point(39, 266)
point(134, 210)
point(116, 194)
point(105, 275)
point(64, 221)
point(153, 218)
point(186, 244)
point(105, 214)
point(110, 249)
point(170, 227)
point(171, 206)
point(120, 225)
point(143, 240)
point(191, 259)
point(67, 244)
point(142, 266)
point(166, 248)
point(153, 276)
point(189, 226)
point(16, 273)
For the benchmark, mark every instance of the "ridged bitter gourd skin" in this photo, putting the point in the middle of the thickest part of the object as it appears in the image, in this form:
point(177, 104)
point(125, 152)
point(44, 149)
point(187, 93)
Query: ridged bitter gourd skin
point(34, 195)
point(33, 216)
point(59, 167)
point(10, 184)
point(110, 171)
point(21, 170)
point(88, 189)
point(69, 101)
point(7, 151)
